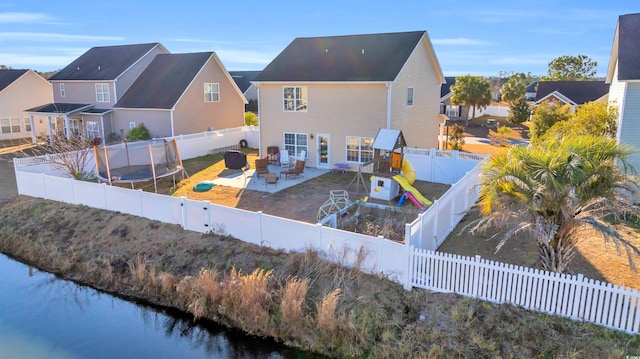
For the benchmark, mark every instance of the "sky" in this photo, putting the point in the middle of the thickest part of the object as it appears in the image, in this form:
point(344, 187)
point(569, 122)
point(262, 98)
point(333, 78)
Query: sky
point(482, 38)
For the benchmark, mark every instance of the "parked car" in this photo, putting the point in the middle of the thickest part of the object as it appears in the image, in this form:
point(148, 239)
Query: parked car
point(491, 123)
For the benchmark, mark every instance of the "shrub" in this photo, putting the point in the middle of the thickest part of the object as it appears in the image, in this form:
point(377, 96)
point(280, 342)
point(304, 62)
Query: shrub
point(250, 119)
point(139, 133)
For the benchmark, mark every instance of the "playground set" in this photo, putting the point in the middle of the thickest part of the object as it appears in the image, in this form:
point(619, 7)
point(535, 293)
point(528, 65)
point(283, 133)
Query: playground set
point(391, 172)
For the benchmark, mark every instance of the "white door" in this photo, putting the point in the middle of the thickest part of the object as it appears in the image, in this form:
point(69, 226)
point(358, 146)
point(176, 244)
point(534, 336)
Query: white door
point(323, 145)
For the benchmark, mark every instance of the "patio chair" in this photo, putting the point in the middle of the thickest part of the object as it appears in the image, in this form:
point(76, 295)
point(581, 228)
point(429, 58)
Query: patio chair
point(285, 160)
point(296, 171)
point(262, 167)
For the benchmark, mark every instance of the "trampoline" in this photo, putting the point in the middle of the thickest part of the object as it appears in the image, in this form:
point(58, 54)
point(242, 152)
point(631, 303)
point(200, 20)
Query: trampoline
point(138, 161)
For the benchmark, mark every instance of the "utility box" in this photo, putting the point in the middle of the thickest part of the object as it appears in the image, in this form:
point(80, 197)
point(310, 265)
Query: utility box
point(384, 188)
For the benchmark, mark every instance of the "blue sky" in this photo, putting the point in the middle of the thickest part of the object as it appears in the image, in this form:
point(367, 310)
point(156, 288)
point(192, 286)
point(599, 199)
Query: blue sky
point(469, 37)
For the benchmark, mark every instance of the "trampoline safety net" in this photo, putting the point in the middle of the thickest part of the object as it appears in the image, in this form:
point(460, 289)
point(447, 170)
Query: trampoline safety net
point(137, 161)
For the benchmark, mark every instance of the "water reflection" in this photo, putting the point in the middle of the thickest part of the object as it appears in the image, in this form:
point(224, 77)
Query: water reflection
point(44, 317)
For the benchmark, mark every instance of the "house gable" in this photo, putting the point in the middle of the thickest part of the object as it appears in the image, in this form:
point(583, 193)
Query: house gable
point(572, 92)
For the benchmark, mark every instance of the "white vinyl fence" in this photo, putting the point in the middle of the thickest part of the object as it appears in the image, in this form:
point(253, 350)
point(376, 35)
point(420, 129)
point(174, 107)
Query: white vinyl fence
point(569, 296)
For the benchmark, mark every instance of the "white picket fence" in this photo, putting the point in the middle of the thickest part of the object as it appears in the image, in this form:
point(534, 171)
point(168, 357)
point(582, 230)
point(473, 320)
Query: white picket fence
point(571, 296)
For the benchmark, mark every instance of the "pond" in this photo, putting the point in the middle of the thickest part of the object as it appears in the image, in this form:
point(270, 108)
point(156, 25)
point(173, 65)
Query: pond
point(42, 316)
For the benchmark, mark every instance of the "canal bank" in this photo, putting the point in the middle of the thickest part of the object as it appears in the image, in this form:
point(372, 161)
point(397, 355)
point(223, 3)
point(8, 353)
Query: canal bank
point(298, 299)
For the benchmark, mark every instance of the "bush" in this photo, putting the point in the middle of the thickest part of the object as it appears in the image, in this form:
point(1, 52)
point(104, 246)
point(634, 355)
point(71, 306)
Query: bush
point(139, 133)
point(250, 119)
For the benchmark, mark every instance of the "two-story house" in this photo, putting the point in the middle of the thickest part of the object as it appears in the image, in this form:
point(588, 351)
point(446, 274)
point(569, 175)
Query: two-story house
point(85, 91)
point(329, 96)
point(623, 76)
point(21, 89)
point(573, 93)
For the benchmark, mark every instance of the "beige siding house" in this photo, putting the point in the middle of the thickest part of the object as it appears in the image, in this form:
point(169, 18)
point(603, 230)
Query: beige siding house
point(180, 94)
point(329, 96)
point(623, 75)
point(85, 91)
point(19, 90)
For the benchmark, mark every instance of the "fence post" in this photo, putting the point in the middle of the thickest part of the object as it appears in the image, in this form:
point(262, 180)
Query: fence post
point(260, 229)
point(435, 225)
point(408, 282)
point(140, 203)
point(476, 276)
point(183, 204)
point(319, 226)
point(577, 310)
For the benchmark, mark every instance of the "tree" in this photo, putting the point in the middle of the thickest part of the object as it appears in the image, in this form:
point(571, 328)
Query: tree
point(571, 68)
point(554, 189)
point(519, 111)
point(471, 91)
point(515, 87)
point(592, 118)
point(71, 156)
point(250, 119)
point(5, 67)
point(546, 115)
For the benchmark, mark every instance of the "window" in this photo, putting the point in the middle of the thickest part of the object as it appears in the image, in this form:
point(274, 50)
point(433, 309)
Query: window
point(359, 149)
point(295, 99)
point(15, 125)
point(452, 111)
point(132, 125)
point(5, 125)
point(102, 93)
point(27, 124)
point(74, 127)
point(211, 92)
point(410, 96)
point(92, 130)
point(63, 92)
point(295, 143)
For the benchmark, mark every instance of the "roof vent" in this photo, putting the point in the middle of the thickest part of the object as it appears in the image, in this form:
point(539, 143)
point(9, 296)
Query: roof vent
point(363, 51)
point(98, 67)
point(78, 68)
point(326, 51)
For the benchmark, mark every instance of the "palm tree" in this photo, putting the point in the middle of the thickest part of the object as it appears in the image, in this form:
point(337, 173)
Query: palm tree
point(554, 189)
point(471, 91)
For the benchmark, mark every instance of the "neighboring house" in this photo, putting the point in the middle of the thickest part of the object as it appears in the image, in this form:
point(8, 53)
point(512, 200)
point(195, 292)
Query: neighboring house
point(496, 87)
point(21, 89)
point(453, 112)
point(85, 91)
point(180, 94)
point(243, 80)
point(574, 93)
point(329, 96)
point(623, 75)
point(531, 89)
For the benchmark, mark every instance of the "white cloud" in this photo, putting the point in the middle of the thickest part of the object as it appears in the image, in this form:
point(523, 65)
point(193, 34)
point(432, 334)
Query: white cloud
point(47, 37)
point(37, 62)
point(24, 18)
point(459, 41)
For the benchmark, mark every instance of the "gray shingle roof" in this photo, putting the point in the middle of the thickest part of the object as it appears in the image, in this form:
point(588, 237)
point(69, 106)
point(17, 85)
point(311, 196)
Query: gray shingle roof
point(372, 57)
point(103, 63)
point(243, 78)
point(163, 82)
point(7, 77)
point(60, 108)
point(579, 92)
point(446, 88)
point(629, 47)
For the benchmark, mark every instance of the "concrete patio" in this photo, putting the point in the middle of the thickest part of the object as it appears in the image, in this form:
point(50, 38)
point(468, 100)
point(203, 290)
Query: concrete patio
point(249, 180)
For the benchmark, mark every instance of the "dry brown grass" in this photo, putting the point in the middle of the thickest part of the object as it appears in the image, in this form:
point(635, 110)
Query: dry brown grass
point(292, 300)
point(248, 299)
point(326, 312)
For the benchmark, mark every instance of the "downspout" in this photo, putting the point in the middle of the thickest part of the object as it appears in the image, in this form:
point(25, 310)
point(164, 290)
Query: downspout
point(259, 122)
point(388, 105)
point(172, 130)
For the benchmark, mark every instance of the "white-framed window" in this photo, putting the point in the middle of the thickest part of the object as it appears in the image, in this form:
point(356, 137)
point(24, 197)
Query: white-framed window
point(92, 130)
point(211, 92)
point(102, 93)
point(63, 91)
point(359, 149)
point(295, 143)
point(452, 111)
point(27, 124)
point(15, 125)
point(295, 99)
point(5, 125)
point(74, 126)
point(410, 96)
point(132, 125)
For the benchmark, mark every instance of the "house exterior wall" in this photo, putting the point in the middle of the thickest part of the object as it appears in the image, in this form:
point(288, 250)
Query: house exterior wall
point(192, 114)
point(28, 91)
point(158, 122)
point(125, 80)
point(82, 92)
point(629, 131)
point(419, 123)
point(337, 109)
